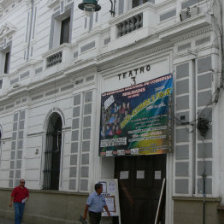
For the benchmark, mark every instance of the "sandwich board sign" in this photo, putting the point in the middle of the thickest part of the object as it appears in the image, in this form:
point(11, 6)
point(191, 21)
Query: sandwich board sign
point(111, 194)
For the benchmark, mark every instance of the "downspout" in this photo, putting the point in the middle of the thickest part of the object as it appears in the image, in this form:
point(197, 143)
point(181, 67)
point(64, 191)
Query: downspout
point(221, 42)
point(203, 127)
point(219, 33)
point(204, 194)
point(30, 31)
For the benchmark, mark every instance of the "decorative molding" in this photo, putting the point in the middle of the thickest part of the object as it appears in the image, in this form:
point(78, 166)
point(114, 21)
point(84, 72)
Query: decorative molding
point(132, 12)
point(5, 3)
point(35, 134)
point(52, 3)
point(191, 28)
point(55, 50)
point(25, 66)
point(190, 198)
point(6, 30)
point(193, 33)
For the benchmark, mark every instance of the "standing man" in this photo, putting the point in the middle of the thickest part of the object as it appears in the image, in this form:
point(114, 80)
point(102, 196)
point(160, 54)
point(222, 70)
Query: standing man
point(19, 196)
point(95, 204)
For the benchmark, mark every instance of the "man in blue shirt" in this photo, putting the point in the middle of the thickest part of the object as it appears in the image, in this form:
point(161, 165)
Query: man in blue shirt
point(95, 204)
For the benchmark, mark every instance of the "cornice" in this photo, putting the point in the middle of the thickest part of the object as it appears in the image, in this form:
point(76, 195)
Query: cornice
point(96, 31)
point(25, 66)
point(5, 3)
point(165, 4)
point(138, 55)
point(55, 50)
point(52, 3)
point(151, 45)
point(82, 66)
point(193, 33)
point(182, 28)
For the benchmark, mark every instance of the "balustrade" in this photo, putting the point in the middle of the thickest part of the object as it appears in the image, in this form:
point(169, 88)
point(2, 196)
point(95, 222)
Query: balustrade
point(129, 25)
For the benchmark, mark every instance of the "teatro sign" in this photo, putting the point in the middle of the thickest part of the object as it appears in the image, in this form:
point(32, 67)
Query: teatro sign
point(134, 72)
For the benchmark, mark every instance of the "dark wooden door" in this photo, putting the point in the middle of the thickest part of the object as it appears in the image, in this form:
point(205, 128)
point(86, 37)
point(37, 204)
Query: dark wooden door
point(140, 181)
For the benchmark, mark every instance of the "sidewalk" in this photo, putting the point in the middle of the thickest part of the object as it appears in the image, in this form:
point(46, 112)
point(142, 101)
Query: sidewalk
point(7, 221)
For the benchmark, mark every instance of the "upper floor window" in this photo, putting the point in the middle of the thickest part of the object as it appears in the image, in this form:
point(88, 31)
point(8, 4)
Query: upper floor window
point(136, 3)
point(6, 32)
point(61, 27)
point(6, 62)
point(125, 5)
point(65, 24)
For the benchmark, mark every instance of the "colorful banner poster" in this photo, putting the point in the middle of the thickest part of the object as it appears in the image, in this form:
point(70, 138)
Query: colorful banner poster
point(137, 120)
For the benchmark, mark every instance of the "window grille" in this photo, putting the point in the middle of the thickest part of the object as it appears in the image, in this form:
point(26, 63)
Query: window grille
point(53, 153)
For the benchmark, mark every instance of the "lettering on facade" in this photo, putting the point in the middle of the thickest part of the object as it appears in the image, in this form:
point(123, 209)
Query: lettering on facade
point(133, 73)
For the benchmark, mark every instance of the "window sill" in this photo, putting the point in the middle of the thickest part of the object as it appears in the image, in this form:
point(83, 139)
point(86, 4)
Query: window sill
point(56, 49)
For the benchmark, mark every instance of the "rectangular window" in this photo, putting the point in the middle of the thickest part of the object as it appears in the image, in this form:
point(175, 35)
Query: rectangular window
point(121, 7)
point(61, 26)
point(6, 65)
point(65, 24)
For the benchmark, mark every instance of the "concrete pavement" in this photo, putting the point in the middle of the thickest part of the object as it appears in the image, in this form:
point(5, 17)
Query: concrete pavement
point(7, 221)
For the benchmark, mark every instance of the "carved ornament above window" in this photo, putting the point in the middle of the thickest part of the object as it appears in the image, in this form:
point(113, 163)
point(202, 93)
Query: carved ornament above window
point(5, 3)
point(6, 30)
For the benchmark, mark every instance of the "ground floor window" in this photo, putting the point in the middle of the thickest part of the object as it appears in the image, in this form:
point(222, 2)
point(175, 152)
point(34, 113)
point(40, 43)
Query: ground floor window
point(53, 153)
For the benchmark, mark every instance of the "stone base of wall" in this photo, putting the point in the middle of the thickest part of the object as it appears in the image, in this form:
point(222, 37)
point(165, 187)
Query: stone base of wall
point(49, 207)
point(221, 214)
point(190, 210)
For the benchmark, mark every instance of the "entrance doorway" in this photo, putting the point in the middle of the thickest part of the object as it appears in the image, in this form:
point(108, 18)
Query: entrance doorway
point(140, 181)
point(53, 153)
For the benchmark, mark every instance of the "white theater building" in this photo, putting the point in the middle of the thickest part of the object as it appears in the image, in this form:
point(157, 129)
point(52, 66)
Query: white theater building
point(56, 62)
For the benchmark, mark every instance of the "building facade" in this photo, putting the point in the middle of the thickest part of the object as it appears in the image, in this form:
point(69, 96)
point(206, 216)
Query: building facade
point(55, 64)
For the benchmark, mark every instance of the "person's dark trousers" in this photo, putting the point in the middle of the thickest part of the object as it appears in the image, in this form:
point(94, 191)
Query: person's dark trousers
point(94, 218)
point(19, 208)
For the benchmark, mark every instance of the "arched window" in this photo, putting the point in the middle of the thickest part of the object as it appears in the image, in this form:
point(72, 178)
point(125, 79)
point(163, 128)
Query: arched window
point(53, 153)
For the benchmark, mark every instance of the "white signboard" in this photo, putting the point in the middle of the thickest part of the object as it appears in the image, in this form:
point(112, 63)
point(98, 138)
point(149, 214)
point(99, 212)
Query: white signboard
point(104, 187)
point(124, 175)
point(111, 196)
point(110, 200)
point(158, 175)
point(140, 174)
point(112, 187)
